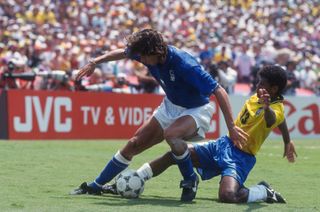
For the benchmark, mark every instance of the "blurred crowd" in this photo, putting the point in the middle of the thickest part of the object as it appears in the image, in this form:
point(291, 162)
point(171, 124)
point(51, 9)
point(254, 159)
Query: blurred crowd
point(43, 43)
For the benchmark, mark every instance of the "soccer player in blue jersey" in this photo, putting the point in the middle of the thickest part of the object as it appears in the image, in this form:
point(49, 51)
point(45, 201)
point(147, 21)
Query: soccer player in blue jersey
point(184, 114)
point(260, 114)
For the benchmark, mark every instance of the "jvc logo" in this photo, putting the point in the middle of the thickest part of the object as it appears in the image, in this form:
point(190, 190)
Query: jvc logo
point(43, 114)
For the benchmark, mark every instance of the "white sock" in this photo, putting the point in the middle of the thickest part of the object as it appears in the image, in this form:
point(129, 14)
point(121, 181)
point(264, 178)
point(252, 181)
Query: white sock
point(145, 172)
point(257, 193)
point(121, 159)
point(183, 156)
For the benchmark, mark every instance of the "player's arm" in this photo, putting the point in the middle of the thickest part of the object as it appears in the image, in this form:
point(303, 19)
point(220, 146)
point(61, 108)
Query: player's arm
point(237, 135)
point(113, 55)
point(269, 114)
point(289, 149)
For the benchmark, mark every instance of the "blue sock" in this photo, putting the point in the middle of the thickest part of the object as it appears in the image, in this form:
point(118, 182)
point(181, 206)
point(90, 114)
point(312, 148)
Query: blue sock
point(185, 165)
point(95, 186)
point(116, 165)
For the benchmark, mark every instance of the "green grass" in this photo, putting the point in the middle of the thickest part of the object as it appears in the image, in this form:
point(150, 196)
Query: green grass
point(37, 176)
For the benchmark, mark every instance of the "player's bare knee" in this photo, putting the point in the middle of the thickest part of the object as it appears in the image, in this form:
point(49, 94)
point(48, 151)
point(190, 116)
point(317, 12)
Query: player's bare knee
point(178, 147)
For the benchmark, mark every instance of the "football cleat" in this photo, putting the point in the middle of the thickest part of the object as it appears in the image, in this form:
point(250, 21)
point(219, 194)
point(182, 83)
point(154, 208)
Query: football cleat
point(189, 189)
point(272, 195)
point(110, 189)
point(85, 189)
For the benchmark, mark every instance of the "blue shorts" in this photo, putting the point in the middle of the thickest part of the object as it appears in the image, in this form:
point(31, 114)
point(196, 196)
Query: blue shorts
point(221, 157)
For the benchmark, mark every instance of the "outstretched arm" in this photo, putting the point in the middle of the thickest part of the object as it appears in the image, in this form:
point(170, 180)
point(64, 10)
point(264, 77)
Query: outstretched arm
point(237, 135)
point(289, 149)
point(88, 69)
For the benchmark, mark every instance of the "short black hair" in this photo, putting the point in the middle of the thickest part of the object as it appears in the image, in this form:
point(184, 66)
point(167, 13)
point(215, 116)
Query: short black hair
point(275, 76)
point(147, 42)
point(291, 63)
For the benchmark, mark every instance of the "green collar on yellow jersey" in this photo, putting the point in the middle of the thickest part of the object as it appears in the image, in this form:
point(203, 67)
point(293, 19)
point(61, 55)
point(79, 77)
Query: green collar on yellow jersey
point(276, 99)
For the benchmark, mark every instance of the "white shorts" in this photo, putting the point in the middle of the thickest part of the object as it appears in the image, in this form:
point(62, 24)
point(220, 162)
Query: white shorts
point(168, 112)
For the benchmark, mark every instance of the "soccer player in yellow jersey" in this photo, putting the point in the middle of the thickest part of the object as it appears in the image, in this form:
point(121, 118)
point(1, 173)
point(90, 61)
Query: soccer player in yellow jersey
point(261, 113)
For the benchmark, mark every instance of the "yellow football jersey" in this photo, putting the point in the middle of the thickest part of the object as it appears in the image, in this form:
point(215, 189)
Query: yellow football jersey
point(251, 120)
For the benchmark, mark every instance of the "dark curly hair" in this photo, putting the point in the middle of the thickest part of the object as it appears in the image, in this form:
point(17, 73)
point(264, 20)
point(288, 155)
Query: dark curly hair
point(275, 76)
point(147, 42)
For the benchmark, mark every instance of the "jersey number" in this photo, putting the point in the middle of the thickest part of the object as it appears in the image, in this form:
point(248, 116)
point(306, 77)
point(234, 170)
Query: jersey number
point(244, 117)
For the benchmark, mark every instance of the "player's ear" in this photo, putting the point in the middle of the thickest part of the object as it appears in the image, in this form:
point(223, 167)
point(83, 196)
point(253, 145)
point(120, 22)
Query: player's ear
point(161, 58)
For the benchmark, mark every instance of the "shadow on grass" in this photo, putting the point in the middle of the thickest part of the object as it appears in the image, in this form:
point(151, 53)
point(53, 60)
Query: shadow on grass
point(166, 202)
point(115, 200)
point(255, 206)
point(251, 206)
point(145, 200)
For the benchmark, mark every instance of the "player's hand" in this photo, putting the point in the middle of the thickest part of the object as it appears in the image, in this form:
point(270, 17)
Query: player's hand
point(86, 70)
point(238, 136)
point(290, 152)
point(264, 97)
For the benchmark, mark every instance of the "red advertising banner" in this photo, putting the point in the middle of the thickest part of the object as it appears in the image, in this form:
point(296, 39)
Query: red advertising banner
point(303, 117)
point(81, 115)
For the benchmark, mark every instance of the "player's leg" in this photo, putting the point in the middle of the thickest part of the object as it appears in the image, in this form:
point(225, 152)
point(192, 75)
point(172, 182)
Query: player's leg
point(235, 166)
point(149, 134)
point(230, 191)
point(183, 127)
point(160, 164)
point(155, 168)
point(146, 136)
point(166, 114)
point(175, 134)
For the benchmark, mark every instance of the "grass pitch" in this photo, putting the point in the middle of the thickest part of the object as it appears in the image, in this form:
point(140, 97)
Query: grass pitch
point(38, 175)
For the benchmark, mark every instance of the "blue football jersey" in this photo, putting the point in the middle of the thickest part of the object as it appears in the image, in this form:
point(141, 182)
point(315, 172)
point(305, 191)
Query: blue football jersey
point(182, 78)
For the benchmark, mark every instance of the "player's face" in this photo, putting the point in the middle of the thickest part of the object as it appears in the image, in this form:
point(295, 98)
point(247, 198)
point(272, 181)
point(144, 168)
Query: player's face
point(149, 59)
point(263, 83)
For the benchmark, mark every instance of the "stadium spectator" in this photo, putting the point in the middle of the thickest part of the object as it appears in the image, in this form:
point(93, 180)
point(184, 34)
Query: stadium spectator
point(15, 74)
point(183, 115)
point(213, 71)
point(227, 76)
point(60, 60)
point(308, 77)
point(243, 64)
point(221, 55)
point(146, 83)
point(268, 29)
point(121, 84)
point(232, 162)
point(257, 54)
point(293, 82)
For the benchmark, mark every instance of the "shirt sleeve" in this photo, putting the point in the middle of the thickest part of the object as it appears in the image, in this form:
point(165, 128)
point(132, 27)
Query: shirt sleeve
point(200, 79)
